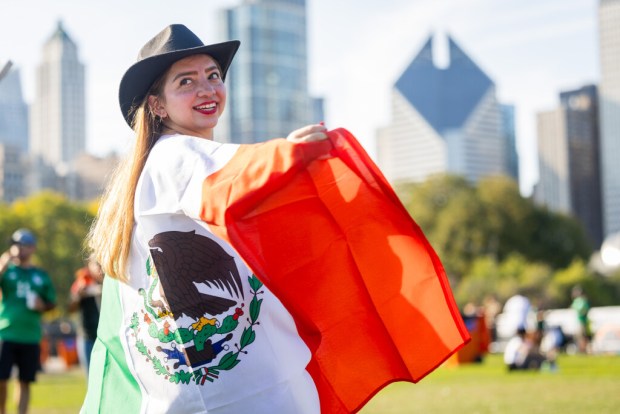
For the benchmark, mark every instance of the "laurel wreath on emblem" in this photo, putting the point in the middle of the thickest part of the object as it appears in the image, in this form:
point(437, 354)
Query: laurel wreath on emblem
point(184, 335)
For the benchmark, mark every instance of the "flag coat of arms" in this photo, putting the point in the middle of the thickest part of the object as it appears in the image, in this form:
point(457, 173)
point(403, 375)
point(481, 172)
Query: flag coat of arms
point(274, 277)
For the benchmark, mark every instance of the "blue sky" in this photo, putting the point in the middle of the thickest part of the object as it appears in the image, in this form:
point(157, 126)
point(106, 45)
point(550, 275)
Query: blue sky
point(531, 49)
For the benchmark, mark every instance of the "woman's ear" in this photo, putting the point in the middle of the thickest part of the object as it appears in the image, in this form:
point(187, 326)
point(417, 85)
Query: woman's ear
point(156, 107)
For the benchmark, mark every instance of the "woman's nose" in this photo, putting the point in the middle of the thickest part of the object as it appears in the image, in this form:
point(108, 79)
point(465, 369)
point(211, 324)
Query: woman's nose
point(206, 88)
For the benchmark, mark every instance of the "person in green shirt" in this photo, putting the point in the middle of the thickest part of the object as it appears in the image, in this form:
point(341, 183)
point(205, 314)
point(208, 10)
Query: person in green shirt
point(581, 305)
point(27, 292)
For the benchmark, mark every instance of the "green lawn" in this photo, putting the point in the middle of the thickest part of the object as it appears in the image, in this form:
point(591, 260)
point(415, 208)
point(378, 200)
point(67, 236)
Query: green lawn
point(583, 384)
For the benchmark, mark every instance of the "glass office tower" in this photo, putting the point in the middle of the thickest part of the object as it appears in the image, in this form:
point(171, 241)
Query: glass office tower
point(268, 80)
point(568, 153)
point(58, 123)
point(444, 120)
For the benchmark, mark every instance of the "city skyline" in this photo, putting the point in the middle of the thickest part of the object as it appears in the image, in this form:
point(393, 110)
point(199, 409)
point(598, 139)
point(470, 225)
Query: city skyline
point(526, 47)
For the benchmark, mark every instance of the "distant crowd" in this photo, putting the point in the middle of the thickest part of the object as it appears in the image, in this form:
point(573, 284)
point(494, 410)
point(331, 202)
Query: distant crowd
point(531, 345)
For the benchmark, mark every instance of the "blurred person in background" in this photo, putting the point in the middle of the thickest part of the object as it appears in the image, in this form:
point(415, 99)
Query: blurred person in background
point(86, 298)
point(27, 292)
point(581, 305)
point(492, 307)
point(523, 353)
point(512, 353)
point(518, 308)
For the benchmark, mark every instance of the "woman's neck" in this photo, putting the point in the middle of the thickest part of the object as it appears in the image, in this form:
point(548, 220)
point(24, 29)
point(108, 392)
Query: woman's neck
point(167, 130)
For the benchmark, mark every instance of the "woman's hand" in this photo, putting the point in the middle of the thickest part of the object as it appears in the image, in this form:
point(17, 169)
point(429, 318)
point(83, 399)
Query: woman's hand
point(315, 132)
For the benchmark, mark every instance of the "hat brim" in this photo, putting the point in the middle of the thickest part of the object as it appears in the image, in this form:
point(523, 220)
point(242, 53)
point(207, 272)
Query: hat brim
point(138, 79)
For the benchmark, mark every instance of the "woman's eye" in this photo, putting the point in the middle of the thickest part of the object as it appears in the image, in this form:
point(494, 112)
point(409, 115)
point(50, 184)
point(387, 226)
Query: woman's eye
point(185, 81)
point(214, 75)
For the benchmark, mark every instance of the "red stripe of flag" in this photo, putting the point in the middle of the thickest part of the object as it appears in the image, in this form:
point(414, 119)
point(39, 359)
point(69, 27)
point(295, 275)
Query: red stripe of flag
point(332, 241)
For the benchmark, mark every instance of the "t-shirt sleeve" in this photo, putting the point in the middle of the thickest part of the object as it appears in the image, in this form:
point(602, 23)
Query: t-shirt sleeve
point(175, 178)
point(171, 182)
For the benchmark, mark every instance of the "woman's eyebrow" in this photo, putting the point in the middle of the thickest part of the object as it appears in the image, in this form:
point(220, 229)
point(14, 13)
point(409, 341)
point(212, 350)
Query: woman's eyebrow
point(180, 75)
point(193, 72)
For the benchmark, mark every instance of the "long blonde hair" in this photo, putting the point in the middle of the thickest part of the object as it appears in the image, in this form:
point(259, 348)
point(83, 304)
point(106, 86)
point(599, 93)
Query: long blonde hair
point(110, 235)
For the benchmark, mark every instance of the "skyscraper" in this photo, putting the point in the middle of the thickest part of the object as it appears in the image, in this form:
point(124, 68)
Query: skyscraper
point(510, 140)
point(13, 135)
point(11, 173)
point(444, 120)
point(268, 80)
point(13, 112)
point(58, 126)
point(568, 148)
point(609, 95)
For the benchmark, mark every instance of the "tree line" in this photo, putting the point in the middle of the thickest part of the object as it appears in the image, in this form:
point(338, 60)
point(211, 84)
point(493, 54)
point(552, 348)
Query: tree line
point(493, 241)
point(60, 226)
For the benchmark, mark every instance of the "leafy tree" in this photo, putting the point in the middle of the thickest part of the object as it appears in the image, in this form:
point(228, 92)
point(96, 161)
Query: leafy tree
point(559, 290)
point(426, 200)
point(601, 290)
point(507, 278)
point(480, 282)
point(502, 279)
point(556, 239)
point(493, 240)
point(7, 223)
point(465, 222)
point(60, 226)
point(448, 212)
point(507, 215)
point(461, 233)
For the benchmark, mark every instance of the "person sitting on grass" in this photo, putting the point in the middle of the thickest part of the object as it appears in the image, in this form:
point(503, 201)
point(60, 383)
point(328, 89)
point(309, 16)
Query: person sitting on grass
point(522, 353)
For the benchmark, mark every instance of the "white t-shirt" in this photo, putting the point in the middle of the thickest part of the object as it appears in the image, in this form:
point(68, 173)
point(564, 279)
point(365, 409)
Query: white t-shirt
point(512, 351)
point(516, 311)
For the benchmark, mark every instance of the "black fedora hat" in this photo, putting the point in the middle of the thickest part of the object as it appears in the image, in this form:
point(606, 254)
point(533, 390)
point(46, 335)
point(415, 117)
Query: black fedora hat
point(171, 44)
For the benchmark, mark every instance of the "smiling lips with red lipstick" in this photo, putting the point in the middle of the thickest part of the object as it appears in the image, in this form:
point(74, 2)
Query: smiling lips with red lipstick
point(207, 108)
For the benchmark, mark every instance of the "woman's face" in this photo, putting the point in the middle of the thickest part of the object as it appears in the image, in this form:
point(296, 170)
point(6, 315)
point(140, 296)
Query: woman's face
point(193, 98)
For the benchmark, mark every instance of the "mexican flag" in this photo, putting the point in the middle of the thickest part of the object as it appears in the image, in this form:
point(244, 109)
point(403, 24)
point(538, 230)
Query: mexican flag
point(368, 293)
point(319, 228)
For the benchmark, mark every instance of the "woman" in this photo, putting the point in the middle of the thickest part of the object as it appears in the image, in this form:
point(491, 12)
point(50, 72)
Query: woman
point(185, 326)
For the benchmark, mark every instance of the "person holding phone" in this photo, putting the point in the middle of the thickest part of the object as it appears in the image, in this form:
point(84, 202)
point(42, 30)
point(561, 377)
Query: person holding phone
point(27, 292)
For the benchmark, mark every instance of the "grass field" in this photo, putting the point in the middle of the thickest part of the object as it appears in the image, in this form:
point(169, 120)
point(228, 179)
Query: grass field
point(583, 384)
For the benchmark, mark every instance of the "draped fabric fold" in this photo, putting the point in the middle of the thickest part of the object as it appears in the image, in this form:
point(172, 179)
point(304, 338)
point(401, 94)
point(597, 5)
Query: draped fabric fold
point(323, 230)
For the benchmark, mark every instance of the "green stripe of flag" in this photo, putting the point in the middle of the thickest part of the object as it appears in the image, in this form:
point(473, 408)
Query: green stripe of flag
point(111, 386)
